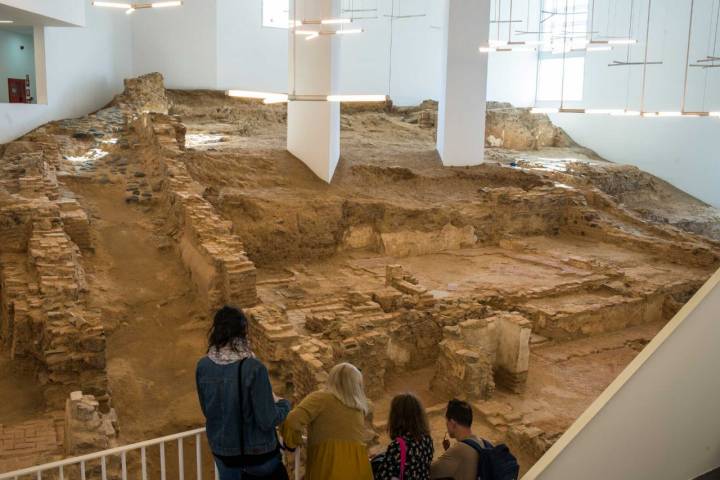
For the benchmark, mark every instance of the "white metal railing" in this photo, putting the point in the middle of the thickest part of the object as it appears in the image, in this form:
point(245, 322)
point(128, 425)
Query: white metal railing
point(60, 466)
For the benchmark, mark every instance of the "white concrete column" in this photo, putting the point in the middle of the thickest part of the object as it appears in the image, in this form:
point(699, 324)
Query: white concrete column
point(314, 125)
point(463, 92)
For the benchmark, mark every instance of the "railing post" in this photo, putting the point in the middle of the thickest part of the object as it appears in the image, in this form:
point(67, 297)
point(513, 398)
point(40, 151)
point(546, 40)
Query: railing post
point(181, 462)
point(103, 468)
point(61, 472)
point(82, 470)
point(123, 464)
point(198, 456)
point(143, 461)
point(162, 461)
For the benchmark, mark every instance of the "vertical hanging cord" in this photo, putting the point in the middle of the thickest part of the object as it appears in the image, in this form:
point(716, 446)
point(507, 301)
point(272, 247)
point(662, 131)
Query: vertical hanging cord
point(687, 57)
point(294, 42)
point(541, 27)
point(562, 78)
point(644, 70)
point(710, 38)
point(510, 24)
point(527, 29)
point(390, 53)
point(627, 89)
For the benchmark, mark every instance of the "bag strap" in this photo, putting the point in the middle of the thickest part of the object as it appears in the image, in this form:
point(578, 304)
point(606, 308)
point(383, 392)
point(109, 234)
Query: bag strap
point(240, 395)
point(475, 445)
point(403, 455)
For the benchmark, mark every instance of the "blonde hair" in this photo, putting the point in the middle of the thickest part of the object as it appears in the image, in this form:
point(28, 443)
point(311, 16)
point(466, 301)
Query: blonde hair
point(345, 381)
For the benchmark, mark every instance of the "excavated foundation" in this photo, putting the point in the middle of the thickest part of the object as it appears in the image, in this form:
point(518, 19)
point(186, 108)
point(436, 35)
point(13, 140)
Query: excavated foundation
point(523, 285)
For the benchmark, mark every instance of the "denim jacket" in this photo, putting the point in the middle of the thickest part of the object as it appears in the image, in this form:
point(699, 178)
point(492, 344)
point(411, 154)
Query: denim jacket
point(217, 387)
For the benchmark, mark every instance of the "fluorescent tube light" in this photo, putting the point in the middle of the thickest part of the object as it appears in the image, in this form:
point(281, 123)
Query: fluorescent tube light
point(252, 94)
point(277, 98)
point(166, 4)
point(599, 48)
point(312, 36)
point(129, 11)
point(357, 98)
point(714, 114)
point(349, 31)
point(544, 110)
point(305, 32)
point(622, 41)
point(626, 113)
point(7, 21)
point(335, 21)
point(604, 111)
point(508, 48)
point(126, 6)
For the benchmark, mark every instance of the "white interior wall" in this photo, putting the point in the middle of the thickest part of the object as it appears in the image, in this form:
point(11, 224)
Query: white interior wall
point(658, 420)
point(401, 58)
point(250, 57)
point(53, 12)
point(85, 68)
point(181, 43)
point(14, 62)
point(679, 150)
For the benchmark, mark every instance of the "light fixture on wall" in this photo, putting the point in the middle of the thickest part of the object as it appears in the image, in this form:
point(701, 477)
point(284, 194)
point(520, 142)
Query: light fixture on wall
point(7, 21)
point(131, 7)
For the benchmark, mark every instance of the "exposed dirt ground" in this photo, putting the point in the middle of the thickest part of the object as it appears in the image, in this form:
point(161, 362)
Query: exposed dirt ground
point(500, 229)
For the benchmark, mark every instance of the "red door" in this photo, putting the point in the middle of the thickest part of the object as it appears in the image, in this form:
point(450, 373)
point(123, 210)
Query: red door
point(16, 90)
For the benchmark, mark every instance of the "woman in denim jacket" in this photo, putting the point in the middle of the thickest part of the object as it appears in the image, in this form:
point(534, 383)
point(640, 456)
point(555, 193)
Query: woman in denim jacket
point(236, 398)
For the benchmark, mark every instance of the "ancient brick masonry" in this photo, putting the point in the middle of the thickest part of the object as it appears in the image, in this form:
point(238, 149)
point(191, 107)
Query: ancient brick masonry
point(87, 429)
point(44, 318)
point(393, 328)
point(210, 250)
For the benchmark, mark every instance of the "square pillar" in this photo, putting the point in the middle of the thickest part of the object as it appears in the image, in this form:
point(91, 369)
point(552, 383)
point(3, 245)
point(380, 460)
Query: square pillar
point(313, 133)
point(463, 92)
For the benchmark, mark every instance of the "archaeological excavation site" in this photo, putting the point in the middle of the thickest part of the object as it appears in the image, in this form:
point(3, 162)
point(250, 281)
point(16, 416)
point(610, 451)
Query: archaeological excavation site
point(359, 240)
point(523, 285)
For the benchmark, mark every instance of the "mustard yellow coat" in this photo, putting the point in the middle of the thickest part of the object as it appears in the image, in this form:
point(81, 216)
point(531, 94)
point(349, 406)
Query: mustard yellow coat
point(336, 438)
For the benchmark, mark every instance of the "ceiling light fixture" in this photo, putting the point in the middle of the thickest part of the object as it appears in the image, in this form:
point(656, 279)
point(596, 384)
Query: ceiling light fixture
point(271, 97)
point(112, 5)
point(349, 31)
point(626, 113)
point(166, 4)
point(335, 21)
point(604, 111)
point(7, 21)
point(131, 7)
point(508, 48)
point(357, 98)
point(539, 110)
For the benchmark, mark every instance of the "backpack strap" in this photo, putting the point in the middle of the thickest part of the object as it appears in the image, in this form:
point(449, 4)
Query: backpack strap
point(240, 396)
point(403, 455)
point(476, 446)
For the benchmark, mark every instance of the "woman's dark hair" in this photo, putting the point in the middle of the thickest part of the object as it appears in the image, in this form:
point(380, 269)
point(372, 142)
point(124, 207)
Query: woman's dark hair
point(229, 324)
point(459, 411)
point(407, 418)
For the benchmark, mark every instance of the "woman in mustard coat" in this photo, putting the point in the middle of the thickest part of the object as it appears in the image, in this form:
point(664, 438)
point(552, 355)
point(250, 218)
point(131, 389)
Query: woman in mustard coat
point(335, 423)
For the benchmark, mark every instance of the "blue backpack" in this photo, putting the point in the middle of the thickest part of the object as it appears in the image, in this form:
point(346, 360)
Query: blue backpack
point(496, 463)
